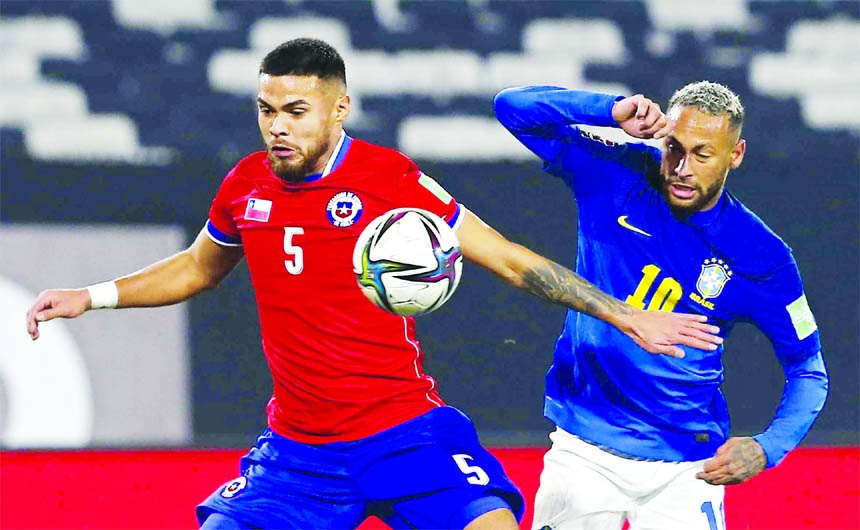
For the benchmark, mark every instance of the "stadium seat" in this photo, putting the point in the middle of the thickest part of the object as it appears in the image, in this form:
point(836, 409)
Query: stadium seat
point(839, 37)
point(675, 15)
point(107, 137)
point(511, 69)
point(591, 40)
point(165, 16)
point(826, 111)
point(268, 32)
point(19, 67)
point(459, 138)
point(820, 66)
point(438, 72)
point(233, 71)
point(20, 103)
point(774, 74)
point(31, 34)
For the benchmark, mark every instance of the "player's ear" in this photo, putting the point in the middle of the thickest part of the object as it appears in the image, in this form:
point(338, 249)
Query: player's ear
point(738, 153)
point(342, 107)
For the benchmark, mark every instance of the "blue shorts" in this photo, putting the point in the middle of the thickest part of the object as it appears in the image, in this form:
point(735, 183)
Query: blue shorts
point(430, 472)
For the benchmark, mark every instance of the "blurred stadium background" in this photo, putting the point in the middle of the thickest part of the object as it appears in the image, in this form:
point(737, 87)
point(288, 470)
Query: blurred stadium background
point(118, 119)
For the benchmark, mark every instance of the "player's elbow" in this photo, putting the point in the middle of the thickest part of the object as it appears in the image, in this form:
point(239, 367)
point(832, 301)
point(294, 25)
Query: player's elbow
point(506, 105)
point(514, 268)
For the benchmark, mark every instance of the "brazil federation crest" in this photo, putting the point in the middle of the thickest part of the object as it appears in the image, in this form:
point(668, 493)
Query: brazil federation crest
point(715, 273)
point(344, 209)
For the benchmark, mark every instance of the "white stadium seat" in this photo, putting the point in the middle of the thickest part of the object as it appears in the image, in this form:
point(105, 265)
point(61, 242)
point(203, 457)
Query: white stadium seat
point(104, 137)
point(820, 67)
point(592, 40)
point(439, 72)
point(707, 16)
point(779, 74)
point(54, 37)
point(266, 33)
point(459, 138)
point(372, 72)
point(166, 16)
point(234, 71)
point(824, 37)
point(828, 112)
point(513, 69)
point(19, 67)
point(23, 104)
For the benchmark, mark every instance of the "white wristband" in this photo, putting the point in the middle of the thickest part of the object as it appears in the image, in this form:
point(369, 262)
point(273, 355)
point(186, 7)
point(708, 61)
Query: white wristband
point(104, 295)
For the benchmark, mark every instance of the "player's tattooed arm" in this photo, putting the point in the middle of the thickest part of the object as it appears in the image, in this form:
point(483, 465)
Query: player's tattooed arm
point(654, 331)
point(560, 285)
point(736, 461)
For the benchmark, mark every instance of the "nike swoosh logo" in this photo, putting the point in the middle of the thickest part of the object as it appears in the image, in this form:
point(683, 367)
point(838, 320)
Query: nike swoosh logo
point(622, 220)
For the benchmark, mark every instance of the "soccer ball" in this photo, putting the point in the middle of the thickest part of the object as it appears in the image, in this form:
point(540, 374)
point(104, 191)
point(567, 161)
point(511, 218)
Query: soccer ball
point(408, 261)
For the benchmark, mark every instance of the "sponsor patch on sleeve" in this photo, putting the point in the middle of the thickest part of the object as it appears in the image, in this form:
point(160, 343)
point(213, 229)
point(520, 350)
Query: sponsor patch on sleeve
point(801, 317)
point(434, 188)
point(597, 138)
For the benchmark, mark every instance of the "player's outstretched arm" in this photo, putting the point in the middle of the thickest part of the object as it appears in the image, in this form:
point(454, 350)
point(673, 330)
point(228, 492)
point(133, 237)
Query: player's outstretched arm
point(803, 395)
point(655, 331)
point(200, 267)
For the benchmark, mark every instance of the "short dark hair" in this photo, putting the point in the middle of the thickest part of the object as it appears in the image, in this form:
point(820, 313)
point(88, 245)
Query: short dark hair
point(305, 57)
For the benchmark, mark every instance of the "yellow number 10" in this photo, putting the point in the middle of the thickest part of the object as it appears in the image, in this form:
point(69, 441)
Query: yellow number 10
point(665, 297)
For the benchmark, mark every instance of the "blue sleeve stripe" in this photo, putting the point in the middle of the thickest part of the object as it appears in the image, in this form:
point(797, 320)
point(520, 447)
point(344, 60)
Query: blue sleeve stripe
point(220, 237)
point(457, 219)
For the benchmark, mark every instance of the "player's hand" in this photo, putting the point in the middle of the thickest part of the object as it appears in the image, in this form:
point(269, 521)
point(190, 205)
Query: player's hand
point(663, 332)
point(736, 461)
point(641, 118)
point(60, 303)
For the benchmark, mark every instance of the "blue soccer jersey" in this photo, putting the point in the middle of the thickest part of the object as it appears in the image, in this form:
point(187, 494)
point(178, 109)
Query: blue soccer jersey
point(724, 263)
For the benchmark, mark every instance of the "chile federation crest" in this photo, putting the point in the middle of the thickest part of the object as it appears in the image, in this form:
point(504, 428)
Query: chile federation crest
point(344, 209)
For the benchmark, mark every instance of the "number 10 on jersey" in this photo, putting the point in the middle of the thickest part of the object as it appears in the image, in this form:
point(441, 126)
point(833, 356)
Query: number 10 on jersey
point(666, 296)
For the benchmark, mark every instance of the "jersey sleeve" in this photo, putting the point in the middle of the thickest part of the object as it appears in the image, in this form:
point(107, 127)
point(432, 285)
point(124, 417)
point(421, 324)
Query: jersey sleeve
point(548, 121)
point(803, 397)
point(418, 190)
point(779, 308)
point(221, 225)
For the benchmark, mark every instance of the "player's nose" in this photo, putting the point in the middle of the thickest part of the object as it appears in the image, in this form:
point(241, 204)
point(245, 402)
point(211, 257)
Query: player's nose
point(279, 126)
point(683, 168)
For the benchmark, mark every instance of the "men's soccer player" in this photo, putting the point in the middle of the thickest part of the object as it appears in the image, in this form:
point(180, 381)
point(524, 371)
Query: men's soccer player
point(355, 426)
point(642, 437)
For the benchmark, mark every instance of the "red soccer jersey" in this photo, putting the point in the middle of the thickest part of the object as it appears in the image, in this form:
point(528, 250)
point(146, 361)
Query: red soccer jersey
point(342, 368)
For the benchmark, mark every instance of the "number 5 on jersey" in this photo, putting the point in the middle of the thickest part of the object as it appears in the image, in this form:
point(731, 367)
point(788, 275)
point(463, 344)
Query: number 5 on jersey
point(474, 474)
point(295, 261)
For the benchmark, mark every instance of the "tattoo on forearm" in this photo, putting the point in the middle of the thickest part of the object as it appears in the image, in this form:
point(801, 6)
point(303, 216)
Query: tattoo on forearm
point(748, 458)
point(558, 284)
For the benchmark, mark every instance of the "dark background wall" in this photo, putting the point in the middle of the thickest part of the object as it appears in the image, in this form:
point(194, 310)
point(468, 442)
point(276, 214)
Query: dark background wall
point(490, 346)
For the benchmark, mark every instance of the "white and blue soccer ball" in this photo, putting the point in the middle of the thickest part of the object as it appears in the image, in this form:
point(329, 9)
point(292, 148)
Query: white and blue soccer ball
point(408, 261)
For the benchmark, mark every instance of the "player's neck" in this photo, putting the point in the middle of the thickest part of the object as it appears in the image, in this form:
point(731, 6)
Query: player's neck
point(330, 156)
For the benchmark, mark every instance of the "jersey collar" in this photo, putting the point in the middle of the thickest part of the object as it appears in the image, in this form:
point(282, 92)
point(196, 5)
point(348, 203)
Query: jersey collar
point(704, 218)
point(336, 158)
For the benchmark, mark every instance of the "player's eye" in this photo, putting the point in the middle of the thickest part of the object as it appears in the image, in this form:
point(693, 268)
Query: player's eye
point(266, 110)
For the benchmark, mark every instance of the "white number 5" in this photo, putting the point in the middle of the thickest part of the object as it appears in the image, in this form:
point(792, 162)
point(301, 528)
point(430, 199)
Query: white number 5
point(477, 475)
point(297, 263)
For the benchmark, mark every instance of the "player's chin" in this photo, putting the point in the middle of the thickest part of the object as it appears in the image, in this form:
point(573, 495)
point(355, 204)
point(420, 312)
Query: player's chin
point(682, 206)
point(289, 171)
